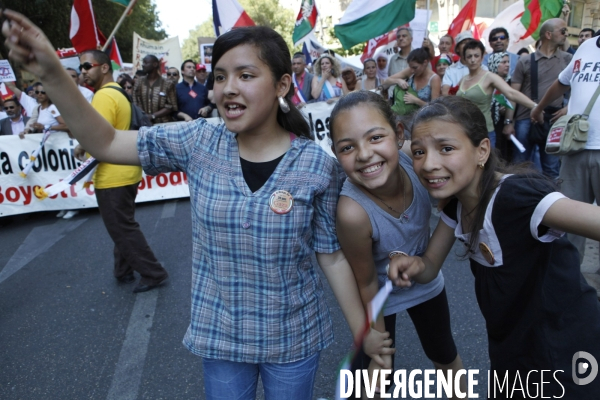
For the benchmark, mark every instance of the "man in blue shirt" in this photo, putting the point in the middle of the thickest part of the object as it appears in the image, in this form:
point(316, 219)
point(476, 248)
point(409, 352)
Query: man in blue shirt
point(192, 97)
point(499, 41)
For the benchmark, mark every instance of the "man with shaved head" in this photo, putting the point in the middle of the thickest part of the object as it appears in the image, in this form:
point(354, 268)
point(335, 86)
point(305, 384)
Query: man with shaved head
point(550, 60)
point(154, 94)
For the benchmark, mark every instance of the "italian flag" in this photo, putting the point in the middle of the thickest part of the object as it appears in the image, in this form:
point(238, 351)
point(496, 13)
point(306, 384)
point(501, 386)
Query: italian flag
point(536, 13)
point(306, 20)
point(366, 19)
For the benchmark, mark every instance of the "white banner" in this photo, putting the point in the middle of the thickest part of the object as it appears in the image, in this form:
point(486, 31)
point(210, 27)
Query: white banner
point(167, 51)
point(57, 161)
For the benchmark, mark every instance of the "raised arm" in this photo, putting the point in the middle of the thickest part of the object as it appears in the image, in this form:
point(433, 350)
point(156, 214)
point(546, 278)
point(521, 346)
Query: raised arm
point(29, 46)
point(399, 78)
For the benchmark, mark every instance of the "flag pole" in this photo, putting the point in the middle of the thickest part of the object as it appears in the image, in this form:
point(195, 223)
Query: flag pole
point(114, 32)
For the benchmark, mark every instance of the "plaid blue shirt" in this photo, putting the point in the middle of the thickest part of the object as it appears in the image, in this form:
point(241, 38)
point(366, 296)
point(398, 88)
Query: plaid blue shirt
point(256, 293)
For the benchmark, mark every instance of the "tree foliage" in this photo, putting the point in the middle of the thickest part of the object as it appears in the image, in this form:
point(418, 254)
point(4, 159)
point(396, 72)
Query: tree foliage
point(263, 12)
point(53, 17)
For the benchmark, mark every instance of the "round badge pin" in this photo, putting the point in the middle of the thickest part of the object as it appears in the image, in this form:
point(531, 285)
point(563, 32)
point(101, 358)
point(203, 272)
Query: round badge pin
point(487, 253)
point(281, 202)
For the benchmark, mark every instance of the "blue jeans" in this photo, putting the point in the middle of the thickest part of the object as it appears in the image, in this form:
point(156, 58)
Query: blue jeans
point(549, 165)
point(229, 380)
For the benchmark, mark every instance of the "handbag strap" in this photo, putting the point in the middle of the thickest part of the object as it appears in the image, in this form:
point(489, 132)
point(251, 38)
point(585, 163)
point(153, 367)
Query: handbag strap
point(588, 109)
point(534, 78)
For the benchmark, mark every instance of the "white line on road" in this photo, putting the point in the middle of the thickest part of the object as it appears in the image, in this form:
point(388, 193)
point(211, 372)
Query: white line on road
point(128, 373)
point(39, 240)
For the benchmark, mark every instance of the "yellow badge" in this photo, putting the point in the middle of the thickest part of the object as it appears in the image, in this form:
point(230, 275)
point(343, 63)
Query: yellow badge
point(281, 202)
point(487, 253)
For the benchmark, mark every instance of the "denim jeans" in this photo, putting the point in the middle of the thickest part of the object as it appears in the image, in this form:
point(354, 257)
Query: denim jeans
point(229, 380)
point(549, 165)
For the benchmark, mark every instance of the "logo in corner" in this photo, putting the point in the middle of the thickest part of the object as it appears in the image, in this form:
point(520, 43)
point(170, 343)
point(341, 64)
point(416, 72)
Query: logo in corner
point(580, 367)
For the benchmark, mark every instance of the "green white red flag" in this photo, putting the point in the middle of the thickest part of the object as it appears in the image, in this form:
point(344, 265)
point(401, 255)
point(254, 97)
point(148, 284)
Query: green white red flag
point(502, 100)
point(536, 13)
point(306, 20)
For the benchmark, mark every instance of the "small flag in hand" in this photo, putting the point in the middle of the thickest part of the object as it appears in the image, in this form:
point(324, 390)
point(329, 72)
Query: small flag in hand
point(502, 100)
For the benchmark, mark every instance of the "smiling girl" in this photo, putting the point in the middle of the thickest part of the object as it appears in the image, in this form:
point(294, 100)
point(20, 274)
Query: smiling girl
point(263, 201)
point(538, 309)
point(384, 212)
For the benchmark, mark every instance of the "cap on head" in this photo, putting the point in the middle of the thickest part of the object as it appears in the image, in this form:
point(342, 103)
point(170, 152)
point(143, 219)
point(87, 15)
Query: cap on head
point(462, 36)
point(200, 67)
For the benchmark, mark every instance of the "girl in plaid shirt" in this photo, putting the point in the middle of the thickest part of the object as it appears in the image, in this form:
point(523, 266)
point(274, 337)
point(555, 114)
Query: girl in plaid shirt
point(264, 198)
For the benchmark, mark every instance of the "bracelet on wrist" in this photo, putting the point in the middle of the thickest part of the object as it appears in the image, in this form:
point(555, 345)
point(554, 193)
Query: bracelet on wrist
point(508, 121)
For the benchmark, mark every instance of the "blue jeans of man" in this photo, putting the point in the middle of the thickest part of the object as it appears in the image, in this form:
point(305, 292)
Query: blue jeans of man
point(548, 164)
point(229, 380)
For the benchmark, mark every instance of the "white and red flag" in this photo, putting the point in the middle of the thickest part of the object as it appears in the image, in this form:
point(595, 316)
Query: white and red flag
point(83, 31)
point(464, 20)
point(229, 14)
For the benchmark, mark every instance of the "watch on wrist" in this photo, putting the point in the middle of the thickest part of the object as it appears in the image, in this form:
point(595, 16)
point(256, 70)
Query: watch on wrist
point(153, 117)
point(508, 121)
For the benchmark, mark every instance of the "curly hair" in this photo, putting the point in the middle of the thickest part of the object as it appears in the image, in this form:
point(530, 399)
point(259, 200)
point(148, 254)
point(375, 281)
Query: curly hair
point(335, 66)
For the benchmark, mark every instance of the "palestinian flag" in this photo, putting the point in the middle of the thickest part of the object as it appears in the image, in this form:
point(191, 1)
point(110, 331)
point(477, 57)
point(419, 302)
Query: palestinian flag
point(366, 19)
point(124, 3)
point(502, 100)
point(306, 20)
point(536, 13)
point(115, 56)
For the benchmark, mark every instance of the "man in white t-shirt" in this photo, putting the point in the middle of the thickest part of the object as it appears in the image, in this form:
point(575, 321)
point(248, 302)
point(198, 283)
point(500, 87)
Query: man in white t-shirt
point(87, 93)
point(580, 172)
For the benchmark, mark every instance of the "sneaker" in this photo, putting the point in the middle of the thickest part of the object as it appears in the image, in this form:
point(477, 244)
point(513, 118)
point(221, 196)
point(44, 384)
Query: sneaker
point(61, 214)
point(70, 214)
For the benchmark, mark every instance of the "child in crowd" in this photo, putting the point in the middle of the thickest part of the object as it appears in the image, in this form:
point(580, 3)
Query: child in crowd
point(384, 212)
point(540, 313)
point(263, 200)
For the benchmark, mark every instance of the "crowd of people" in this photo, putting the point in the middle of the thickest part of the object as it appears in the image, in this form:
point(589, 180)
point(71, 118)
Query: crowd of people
point(266, 198)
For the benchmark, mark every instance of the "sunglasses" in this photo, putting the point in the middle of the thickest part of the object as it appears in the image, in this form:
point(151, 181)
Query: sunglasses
point(564, 31)
point(172, 74)
point(39, 92)
point(87, 66)
point(496, 38)
point(128, 87)
point(10, 107)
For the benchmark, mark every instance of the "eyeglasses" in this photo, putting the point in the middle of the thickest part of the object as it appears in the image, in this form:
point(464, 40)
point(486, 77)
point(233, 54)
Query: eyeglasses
point(39, 92)
point(496, 38)
point(10, 107)
point(87, 66)
point(172, 74)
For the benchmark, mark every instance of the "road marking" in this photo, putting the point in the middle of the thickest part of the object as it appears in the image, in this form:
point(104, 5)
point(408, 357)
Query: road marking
point(39, 240)
point(168, 210)
point(128, 373)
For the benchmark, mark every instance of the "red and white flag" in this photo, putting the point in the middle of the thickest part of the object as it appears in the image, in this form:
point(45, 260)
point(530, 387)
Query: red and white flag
point(229, 14)
point(464, 20)
point(83, 31)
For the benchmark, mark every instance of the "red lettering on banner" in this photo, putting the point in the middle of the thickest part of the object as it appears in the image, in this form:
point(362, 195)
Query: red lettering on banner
point(142, 184)
point(1, 196)
point(51, 197)
point(90, 190)
point(162, 180)
point(26, 194)
point(175, 178)
point(185, 178)
point(12, 194)
point(149, 180)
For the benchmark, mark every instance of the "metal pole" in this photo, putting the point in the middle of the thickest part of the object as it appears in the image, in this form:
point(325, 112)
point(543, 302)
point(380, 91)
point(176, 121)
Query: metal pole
point(113, 33)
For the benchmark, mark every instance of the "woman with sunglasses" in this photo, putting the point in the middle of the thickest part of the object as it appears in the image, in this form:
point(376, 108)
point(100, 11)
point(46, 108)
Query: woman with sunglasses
point(45, 114)
point(127, 84)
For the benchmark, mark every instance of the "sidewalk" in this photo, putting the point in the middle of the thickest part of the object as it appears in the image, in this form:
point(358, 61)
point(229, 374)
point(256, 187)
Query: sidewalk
point(590, 268)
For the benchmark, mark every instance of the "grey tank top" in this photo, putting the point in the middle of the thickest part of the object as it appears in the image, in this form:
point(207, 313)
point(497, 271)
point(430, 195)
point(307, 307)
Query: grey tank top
point(410, 235)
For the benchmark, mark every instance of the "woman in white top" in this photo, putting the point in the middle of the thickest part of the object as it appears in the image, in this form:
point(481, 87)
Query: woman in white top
point(369, 80)
point(47, 114)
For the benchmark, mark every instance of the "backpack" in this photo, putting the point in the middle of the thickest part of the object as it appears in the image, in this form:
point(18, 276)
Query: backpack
point(138, 117)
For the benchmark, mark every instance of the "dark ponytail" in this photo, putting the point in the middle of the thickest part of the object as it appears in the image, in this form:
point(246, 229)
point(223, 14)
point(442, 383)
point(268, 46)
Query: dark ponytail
point(273, 51)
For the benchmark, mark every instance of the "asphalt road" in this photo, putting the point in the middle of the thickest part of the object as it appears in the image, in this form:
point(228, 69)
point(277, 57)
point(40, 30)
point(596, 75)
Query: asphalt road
point(68, 330)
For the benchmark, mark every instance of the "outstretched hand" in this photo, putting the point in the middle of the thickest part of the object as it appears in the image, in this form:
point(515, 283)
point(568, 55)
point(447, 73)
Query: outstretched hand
point(403, 268)
point(28, 45)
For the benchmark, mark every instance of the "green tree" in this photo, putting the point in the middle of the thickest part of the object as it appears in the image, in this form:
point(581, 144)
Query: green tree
point(53, 17)
point(190, 49)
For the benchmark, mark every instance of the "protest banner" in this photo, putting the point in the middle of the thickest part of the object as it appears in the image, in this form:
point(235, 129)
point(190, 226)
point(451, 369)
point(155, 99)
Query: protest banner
point(6, 72)
point(56, 161)
point(167, 51)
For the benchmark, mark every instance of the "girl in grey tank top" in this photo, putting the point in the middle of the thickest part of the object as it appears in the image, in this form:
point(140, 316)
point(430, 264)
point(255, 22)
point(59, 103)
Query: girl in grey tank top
point(384, 208)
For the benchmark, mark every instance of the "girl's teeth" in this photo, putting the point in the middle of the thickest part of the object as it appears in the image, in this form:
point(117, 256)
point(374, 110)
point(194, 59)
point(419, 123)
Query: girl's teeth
point(372, 168)
point(438, 180)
